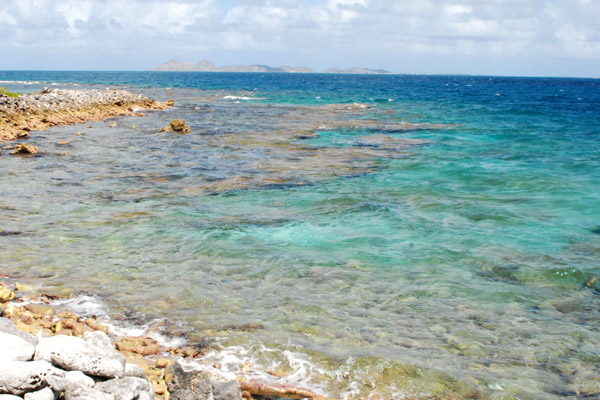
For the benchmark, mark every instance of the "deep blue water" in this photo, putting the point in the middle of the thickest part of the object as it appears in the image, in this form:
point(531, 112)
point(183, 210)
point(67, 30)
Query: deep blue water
point(454, 264)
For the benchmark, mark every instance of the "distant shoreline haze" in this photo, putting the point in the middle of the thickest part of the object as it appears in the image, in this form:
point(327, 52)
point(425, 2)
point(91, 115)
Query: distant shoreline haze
point(208, 66)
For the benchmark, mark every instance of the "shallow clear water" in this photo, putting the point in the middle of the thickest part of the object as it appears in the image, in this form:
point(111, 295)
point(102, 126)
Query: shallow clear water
point(299, 230)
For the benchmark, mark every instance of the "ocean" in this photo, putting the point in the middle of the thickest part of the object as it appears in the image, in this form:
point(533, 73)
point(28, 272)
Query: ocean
point(366, 236)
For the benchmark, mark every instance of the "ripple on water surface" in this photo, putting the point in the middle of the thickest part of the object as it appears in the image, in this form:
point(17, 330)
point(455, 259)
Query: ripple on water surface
point(404, 247)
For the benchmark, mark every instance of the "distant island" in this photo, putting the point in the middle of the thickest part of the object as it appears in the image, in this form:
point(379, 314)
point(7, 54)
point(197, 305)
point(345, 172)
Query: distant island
point(207, 66)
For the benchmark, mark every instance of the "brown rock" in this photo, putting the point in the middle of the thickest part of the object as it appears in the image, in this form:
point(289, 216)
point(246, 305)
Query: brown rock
point(25, 148)
point(591, 281)
point(278, 390)
point(141, 345)
point(6, 294)
point(163, 362)
point(112, 125)
point(179, 126)
point(42, 310)
point(92, 323)
point(63, 143)
point(170, 102)
point(67, 315)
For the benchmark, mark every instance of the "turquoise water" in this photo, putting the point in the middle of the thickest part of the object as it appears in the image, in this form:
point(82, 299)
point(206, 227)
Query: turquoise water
point(296, 229)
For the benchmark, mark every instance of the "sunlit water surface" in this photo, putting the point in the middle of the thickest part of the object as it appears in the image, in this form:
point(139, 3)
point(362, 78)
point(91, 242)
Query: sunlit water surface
point(359, 235)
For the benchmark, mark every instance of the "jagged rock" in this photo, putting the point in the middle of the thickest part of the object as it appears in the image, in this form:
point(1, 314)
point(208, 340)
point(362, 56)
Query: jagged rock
point(128, 388)
point(194, 381)
point(6, 294)
point(7, 326)
point(134, 370)
point(177, 126)
point(92, 355)
point(15, 348)
point(25, 148)
point(20, 377)
point(44, 394)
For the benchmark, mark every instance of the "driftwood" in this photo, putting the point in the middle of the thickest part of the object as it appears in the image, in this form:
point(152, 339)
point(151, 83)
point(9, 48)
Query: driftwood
point(284, 390)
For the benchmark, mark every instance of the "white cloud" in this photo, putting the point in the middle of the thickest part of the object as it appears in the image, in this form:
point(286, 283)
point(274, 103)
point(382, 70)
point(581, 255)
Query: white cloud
point(322, 32)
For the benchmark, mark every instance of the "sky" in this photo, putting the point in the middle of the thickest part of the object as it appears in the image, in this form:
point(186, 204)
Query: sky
point(483, 37)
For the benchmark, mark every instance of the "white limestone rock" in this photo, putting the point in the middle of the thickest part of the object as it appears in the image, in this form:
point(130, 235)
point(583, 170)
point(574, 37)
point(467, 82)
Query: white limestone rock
point(15, 348)
point(92, 356)
point(20, 377)
point(44, 394)
point(128, 388)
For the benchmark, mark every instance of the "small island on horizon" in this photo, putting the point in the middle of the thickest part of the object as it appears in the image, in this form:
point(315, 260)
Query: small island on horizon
point(208, 66)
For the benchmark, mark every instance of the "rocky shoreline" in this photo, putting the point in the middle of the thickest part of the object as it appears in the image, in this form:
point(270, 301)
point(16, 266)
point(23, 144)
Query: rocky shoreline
point(55, 107)
point(51, 354)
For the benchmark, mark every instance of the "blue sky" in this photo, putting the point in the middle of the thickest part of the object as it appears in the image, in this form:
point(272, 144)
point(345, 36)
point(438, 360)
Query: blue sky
point(492, 37)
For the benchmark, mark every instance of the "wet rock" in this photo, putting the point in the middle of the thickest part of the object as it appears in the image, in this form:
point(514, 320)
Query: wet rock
point(177, 126)
point(92, 355)
point(194, 381)
point(140, 345)
point(6, 294)
point(128, 388)
point(20, 377)
point(42, 310)
point(44, 394)
point(14, 348)
point(25, 148)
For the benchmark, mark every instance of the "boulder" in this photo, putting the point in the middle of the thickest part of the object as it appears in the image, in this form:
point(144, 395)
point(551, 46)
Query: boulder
point(7, 326)
point(71, 391)
point(92, 355)
point(6, 294)
point(128, 388)
point(15, 348)
point(44, 394)
point(194, 381)
point(20, 377)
